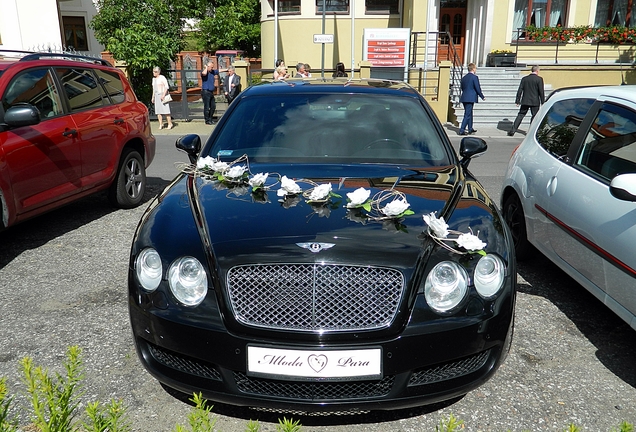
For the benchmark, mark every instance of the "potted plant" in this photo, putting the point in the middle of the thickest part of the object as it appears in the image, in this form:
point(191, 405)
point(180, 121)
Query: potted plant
point(500, 58)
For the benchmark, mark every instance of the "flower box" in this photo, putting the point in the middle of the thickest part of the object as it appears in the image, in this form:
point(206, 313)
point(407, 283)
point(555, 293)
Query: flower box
point(501, 59)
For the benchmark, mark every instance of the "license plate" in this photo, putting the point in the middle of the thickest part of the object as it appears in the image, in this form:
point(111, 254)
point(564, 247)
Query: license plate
point(308, 364)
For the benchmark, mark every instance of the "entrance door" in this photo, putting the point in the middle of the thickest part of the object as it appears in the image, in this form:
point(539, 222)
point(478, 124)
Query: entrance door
point(452, 20)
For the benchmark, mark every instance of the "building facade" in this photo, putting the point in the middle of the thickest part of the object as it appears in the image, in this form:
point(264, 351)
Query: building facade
point(31, 25)
point(476, 27)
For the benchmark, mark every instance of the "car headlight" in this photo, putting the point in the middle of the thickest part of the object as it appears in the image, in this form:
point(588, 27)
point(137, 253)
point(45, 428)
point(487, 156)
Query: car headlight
point(446, 286)
point(149, 269)
point(188, 281)
point(489, 275)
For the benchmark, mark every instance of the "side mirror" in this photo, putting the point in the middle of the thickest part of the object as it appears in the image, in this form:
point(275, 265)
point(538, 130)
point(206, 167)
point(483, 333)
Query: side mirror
point(191, 144)
point(623, 187)
point(22, 115)
point(471, 147)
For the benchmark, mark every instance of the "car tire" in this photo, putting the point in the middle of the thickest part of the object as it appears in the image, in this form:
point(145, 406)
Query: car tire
point(129, 186)
point(516, 221)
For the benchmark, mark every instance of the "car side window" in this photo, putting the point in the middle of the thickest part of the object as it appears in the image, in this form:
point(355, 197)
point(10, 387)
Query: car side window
point(560, 124)
point(610, 144)
point(81, 88)
point(35, 87)
point(112, 84)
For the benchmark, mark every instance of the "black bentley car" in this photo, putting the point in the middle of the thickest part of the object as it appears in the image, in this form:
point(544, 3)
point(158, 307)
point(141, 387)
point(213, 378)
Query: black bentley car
point(325, 249)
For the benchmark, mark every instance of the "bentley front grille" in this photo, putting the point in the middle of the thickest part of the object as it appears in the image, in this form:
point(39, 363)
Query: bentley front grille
point(315, 297)
point(314, 390)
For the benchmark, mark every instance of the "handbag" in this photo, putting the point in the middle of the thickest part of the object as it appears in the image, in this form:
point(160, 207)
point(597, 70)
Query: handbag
point(167, 98)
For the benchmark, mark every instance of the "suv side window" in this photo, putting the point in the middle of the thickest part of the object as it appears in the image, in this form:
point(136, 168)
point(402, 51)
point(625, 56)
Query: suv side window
point(609, 148)
point(35, 87)
point(81, 88)
point(559, 126)
point(112, 84)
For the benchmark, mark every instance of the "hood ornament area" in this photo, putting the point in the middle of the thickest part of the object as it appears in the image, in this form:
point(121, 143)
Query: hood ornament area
point(316, 247)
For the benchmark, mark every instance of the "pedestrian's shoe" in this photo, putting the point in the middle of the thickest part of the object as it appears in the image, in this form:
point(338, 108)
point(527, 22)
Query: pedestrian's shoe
point(511, 133)
point(472, 131)
point(208, 122)
point(463, 133)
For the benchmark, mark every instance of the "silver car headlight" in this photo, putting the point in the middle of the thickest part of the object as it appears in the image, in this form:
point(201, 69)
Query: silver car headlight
point(446, 286)
point(188, 281)
point(489, 275)
point(148, 268)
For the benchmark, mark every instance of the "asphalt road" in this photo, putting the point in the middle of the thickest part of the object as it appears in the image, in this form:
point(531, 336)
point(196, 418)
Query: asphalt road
point(63, 282)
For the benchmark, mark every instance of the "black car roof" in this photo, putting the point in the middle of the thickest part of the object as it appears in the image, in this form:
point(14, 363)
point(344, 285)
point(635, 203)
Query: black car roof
point(336, 85)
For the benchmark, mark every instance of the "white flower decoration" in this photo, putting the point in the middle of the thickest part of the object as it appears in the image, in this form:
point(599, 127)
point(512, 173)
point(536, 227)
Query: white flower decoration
point(288, 187)
point(207, 161)
point(321, 192)
point(258, 180)
point(219, 166)
point(439, 226)
point(235, 172)
point(470, 242)
point(395, 207)
point(358, 197)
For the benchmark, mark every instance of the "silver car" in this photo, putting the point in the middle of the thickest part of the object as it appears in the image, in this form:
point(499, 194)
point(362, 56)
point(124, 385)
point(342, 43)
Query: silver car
point(570, 191)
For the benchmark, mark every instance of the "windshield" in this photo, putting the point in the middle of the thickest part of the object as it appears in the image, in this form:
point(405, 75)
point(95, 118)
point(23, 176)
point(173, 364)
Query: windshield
point(333, 128)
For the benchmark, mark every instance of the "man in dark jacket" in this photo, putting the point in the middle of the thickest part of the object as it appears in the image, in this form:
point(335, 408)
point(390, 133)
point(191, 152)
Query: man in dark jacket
point(231, 85)
point(470, 90)
point(530, 96)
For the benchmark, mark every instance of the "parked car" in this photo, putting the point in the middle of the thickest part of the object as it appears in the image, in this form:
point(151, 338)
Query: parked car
point(70, 126)
point(570, 191)
point(325, 250)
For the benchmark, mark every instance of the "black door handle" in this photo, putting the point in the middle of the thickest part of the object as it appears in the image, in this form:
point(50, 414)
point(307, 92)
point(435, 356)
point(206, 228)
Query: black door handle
point(69, 132)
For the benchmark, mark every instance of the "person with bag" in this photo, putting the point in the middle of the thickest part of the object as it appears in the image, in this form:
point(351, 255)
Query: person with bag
point(232, 85)
point(161, 97)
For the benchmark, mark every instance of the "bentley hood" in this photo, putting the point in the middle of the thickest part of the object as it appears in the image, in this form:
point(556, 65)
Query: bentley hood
point(248, 228)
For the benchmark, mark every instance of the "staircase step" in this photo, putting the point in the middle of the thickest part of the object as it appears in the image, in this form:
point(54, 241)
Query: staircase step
point(500, 86)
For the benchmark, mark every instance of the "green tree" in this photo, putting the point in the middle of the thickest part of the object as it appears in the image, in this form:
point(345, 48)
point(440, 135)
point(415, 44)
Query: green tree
point(231, 24)
point(144, 34)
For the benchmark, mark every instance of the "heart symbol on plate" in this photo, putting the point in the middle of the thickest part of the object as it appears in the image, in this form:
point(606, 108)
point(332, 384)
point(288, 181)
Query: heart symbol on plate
point(317, 362)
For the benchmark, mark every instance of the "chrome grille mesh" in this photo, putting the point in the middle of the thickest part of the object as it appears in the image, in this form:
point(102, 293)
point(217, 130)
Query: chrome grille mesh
point(314, 390)
point(312, 297)
point(449, 370)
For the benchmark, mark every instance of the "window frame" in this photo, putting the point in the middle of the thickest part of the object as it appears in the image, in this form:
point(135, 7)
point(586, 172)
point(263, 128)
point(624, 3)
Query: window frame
point(387, 11)
point(74, 23)
point(333, 12)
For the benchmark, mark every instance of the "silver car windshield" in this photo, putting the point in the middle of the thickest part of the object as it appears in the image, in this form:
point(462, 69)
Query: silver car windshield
point(333, 128)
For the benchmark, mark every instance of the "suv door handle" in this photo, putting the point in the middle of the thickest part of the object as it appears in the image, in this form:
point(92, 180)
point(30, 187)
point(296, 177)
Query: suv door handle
point(119, 121)
point(69, 132)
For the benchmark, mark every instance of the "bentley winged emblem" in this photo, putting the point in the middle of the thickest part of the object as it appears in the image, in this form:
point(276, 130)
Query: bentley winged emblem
point(316, 247)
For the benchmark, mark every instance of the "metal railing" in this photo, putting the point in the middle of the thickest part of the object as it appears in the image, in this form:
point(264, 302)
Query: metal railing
point(440, 48)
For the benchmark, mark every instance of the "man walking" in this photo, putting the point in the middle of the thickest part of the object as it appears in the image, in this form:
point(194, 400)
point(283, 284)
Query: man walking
point(530, 96)
point(232, 85)
point(208, 87)
point(470, 91)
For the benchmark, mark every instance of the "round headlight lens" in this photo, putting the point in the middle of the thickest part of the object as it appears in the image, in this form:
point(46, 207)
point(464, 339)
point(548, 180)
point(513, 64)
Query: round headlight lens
point(489, 275)
point(446, 286)
point(148, 268)
point(188, 281)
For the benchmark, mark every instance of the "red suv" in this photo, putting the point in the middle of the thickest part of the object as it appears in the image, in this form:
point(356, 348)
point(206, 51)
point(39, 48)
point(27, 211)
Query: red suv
point(70, 126)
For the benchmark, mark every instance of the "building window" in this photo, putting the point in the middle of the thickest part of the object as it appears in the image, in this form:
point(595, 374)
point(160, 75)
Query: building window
point(75, 33)
point(332, 5)
point(382, 6)
point(539, 13)
point(615, 12)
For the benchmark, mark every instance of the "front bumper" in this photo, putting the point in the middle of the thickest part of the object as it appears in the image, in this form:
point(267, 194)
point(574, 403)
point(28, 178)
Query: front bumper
point(420, 366)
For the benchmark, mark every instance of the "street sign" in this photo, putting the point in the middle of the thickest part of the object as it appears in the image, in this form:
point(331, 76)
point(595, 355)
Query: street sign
point(323, 38)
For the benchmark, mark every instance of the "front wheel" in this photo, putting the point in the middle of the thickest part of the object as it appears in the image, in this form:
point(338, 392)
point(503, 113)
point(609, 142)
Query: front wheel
point(516, 221)
point(129, 186)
